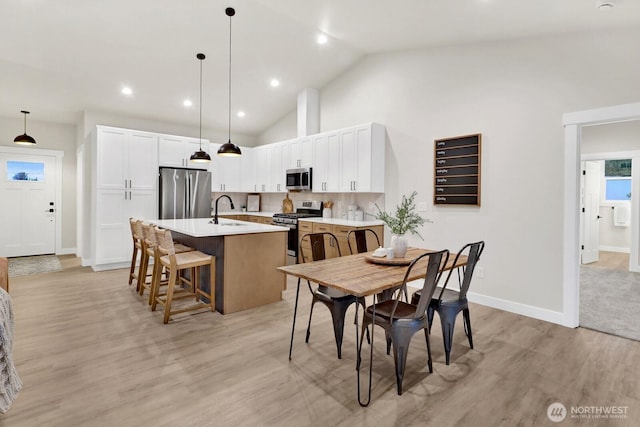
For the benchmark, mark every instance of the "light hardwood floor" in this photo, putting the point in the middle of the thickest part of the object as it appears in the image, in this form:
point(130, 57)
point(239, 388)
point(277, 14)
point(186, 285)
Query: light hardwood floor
point(612, 261)
point(90, 353)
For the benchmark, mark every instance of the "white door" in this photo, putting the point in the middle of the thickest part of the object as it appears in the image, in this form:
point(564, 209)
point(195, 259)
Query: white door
point(590, 215)
point(28, 214)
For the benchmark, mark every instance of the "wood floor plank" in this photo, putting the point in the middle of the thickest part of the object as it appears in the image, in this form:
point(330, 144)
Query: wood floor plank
point(90, 352)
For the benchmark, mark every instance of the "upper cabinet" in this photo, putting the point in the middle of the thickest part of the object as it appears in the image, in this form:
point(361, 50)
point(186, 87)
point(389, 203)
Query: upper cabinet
point(175, 151)
point(225, 170)
point(126, 159)
point(279, 157)
point(326, 163)
point(300, 153)
point(362, 158)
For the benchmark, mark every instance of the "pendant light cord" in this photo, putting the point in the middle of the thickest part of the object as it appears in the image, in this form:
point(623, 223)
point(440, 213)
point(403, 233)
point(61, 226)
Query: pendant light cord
point(201, 105)
point(229, 133)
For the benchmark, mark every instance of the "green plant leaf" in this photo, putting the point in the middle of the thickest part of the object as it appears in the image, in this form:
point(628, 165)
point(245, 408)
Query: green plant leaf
point(405, 219)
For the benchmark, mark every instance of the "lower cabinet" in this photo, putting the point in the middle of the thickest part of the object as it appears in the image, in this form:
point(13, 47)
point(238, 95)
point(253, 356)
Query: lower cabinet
point(113, 242)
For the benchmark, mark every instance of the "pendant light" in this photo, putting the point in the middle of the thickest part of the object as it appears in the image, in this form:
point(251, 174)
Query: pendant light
point(25, 139)
point(229, 148)
point(200, 156)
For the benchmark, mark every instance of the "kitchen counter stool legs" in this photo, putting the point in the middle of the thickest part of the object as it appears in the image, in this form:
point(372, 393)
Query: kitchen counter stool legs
point(176, 262)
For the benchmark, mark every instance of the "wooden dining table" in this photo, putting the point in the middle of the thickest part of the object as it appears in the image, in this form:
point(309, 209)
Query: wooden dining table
point(362, 275)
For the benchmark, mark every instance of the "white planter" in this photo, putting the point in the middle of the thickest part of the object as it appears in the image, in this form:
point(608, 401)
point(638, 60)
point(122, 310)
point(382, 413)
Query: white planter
point(399, 245)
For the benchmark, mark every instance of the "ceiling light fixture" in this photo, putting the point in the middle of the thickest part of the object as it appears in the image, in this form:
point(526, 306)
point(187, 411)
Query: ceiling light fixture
point(229, 148)
point(605, 5)
point(200, 156)
point(187, 103)
point(127, 91)
point(275, 83)
point(25, 139)
point(322, 39)
point(241, 114)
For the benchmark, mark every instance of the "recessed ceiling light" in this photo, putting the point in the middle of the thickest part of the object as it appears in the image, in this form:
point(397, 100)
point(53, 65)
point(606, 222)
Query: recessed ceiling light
point(322, 39)
point(605, 5)
point(241, 114)
point(187, 103)
point(275, 83)
point(127, 90)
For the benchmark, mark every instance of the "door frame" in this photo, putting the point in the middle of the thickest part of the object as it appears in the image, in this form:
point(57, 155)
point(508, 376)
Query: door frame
point(58, 155)
point(573, 123)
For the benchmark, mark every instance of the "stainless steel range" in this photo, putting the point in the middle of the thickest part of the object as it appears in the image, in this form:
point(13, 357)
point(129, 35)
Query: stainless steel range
point(304, 209)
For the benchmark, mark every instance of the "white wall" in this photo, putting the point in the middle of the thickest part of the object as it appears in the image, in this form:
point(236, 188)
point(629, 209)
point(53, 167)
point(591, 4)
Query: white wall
point(51, 136)
point(284, 129)
point(515, 94)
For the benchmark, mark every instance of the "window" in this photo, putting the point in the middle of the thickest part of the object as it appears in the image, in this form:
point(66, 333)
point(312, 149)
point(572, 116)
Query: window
point(617, 176)
point(25, 171)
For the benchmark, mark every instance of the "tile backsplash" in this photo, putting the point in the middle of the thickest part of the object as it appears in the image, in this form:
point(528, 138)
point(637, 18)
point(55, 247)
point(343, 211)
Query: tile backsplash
point(272, 202)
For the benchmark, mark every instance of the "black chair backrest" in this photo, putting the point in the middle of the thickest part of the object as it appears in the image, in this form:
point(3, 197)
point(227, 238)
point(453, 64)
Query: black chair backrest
point(473, 252)
point(437, 262)
point(317, 243)
point(435, 265)
point(360, 237)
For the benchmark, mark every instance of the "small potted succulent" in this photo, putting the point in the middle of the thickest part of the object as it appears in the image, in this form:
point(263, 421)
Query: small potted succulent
point(404, 220)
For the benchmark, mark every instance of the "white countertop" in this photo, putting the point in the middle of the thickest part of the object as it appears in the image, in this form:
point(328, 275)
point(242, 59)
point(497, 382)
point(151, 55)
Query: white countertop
point(345, 222)
point(203, 227)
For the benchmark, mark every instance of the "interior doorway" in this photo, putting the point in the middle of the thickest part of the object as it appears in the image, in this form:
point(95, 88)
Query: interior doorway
point(30, 188)
point(573, 125)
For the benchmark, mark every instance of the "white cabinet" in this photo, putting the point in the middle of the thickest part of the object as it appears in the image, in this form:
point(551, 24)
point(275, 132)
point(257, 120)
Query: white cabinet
point(300, 153)
point(326, 163)
point(279, 158)
point(125, 165)
point(125, 159)
point(175, 151)
point(262, 163)
point(248, 183)
point(362, 158)
point(225, 171)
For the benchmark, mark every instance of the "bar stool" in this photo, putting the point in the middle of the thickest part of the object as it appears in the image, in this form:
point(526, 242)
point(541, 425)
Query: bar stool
point(167, 257)
point(137, 247)
point(149, 249)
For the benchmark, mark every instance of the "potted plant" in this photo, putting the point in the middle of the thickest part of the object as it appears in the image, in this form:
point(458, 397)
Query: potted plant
point(405, 220)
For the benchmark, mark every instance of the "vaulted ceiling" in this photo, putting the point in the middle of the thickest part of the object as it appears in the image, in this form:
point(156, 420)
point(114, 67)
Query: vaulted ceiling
point(59, 58)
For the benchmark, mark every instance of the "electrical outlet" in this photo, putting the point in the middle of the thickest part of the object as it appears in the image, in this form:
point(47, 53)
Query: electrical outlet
point(422, 206)
point(480, 272)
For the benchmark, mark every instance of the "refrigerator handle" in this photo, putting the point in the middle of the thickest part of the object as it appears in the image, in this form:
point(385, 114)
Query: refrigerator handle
point(188, 196)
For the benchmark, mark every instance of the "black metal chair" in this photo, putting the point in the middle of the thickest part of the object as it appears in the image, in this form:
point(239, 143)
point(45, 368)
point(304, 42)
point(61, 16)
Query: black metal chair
point(402, 320)
point(359, 237)
point(313, 248)
point(450, 302)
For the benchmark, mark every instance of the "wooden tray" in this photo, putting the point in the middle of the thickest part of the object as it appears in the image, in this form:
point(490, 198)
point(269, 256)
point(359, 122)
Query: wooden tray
point(385, 261)
point(412, 253)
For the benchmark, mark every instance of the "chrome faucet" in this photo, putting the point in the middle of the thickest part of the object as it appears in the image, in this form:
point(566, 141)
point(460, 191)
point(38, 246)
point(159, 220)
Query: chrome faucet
point(215, 217)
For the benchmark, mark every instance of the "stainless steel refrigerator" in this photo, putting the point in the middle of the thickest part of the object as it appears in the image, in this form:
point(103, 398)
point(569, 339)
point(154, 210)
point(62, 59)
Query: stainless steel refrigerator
point(185, 193)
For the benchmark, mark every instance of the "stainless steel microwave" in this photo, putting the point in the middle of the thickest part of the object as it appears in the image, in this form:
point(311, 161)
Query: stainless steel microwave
point(299, 179)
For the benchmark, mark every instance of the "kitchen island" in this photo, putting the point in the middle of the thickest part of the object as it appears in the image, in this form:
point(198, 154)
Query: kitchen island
point(247, 255)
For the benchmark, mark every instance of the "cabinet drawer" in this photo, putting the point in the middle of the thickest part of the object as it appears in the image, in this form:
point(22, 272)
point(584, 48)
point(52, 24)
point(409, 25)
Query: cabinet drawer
point(304, 227)
point(322, 228)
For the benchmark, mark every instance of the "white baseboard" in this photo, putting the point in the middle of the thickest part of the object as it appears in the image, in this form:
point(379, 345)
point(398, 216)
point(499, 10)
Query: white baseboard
point(614, 249)
point(522, 309)
point(66, 251)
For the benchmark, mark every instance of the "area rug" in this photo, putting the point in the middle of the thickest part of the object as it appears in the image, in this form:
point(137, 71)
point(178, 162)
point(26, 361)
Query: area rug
point(610, 301)
point(23, 266)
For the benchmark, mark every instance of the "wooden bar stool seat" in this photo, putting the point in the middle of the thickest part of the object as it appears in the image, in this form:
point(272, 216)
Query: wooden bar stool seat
point(148, 252)
point(166, 257)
